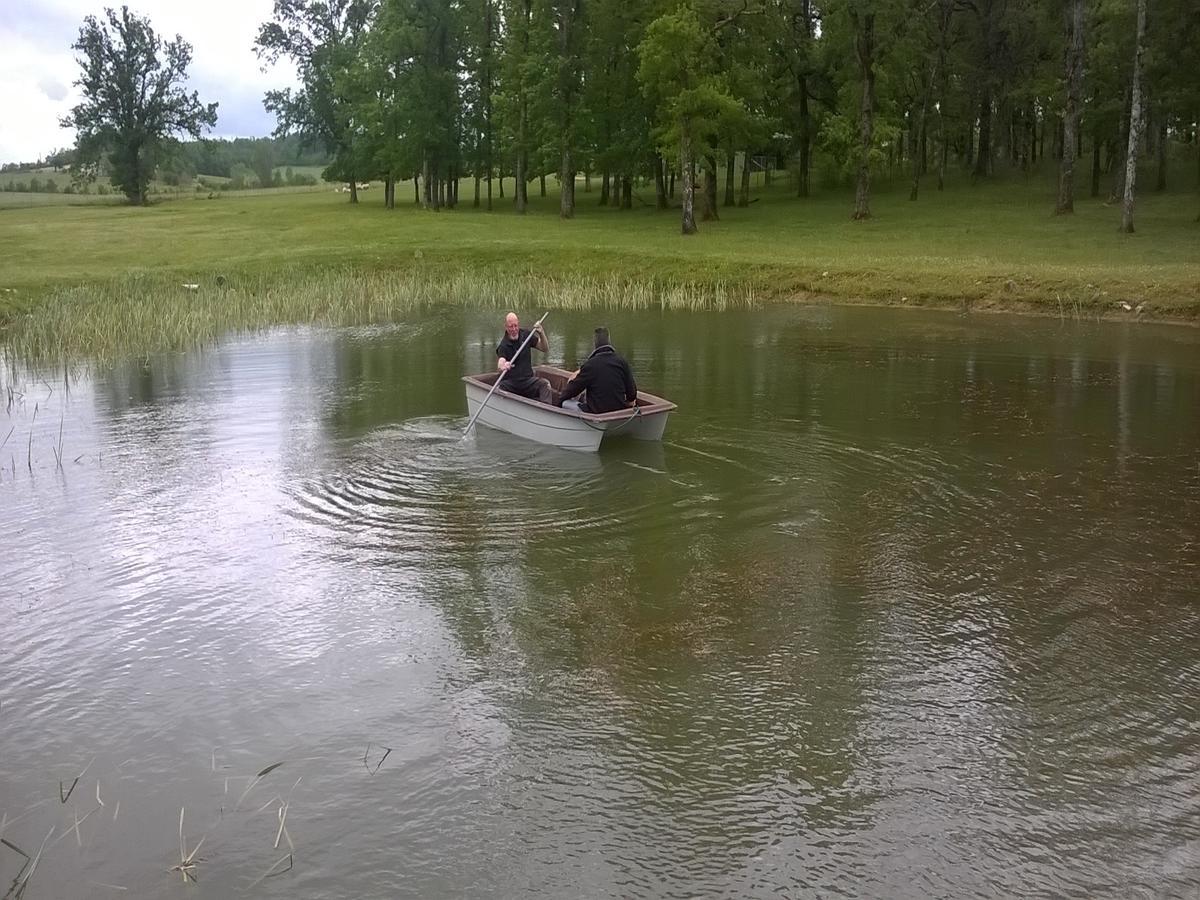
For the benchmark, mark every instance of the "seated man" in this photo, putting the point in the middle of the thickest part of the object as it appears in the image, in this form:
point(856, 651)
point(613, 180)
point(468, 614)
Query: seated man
point(605, 376)
point(520, 379)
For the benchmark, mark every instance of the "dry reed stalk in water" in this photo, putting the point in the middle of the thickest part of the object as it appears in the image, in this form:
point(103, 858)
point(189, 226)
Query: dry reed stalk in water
point(65, 797)
point(187, 861)
point(257, 778)
point(271, 873)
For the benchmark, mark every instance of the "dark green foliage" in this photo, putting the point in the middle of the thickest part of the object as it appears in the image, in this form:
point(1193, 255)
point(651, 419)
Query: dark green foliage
point(134, 102)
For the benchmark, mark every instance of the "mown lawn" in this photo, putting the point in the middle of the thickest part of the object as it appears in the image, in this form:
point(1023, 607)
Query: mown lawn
point(993, 244)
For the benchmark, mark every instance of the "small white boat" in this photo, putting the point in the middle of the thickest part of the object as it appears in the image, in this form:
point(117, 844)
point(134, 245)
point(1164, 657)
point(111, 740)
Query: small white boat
point(560, 427)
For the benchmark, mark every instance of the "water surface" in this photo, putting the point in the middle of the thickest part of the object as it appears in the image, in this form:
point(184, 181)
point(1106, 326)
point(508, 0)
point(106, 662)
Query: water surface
point(906, 604)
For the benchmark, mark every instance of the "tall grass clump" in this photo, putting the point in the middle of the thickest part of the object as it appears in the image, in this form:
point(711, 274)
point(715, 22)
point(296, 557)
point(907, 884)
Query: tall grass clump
point(144, 314)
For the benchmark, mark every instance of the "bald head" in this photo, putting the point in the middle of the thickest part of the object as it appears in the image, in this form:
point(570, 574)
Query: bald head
point(512, 325)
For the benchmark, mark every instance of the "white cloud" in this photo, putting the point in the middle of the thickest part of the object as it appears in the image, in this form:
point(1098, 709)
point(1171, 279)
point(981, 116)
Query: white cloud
point(54, 90)
point(37, 65)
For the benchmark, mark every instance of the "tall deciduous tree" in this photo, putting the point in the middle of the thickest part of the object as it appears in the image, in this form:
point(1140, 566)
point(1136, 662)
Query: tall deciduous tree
point(678, 71)
point(1135, 121)
point(134, 102)
point(323, 39)
point(864, 49)
point(1071, 109)
point(519, 68)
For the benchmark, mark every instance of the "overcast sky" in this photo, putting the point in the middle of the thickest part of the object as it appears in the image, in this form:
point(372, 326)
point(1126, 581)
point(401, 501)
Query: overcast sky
point(37, 66)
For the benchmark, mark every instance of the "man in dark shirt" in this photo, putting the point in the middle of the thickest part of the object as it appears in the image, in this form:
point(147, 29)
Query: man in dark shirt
point(605, 376)
point(519, 366)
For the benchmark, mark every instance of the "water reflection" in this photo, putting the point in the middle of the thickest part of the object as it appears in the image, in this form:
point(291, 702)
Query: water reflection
point(903, 605)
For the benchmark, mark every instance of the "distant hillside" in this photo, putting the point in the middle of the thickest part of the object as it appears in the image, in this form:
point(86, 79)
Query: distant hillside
point(217, 157)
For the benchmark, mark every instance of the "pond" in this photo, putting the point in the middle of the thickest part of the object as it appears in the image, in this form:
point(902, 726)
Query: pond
point(904, 604)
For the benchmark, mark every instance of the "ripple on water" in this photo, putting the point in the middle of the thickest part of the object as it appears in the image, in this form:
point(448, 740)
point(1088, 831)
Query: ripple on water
point(420, 488)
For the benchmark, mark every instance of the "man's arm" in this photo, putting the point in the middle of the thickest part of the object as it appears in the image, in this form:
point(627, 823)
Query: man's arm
point(539, 339)
point(630, 384)
point(575, 386)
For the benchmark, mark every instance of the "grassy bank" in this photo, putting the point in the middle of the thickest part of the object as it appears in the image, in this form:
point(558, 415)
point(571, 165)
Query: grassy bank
point(70, 276)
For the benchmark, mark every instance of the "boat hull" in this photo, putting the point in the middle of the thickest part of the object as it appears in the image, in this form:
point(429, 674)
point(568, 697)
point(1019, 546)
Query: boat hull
point(559, 427)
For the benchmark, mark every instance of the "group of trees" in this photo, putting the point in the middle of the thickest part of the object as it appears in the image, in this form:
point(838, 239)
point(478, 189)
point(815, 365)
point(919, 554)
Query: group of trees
point(438, 90)
point(441, 90)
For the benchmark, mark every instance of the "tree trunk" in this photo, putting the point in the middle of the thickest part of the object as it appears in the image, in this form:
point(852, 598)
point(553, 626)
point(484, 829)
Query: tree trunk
point(802, 188)
point(1014, 142)
point(567, 85)
point(710, 188)
point(1161, 183)
point(137, 196)
point(1096, 162)
point(417, 190)
point(475, 203)
point(983, 161)
point(626, 192)
point(1031, 136)
point(803, 180)
point(918, 160)
point(542, 184)
point(389, 197)
point(604, 188)
point(566, 203)
point(1135, 122)
point(671, 184)
point(689, 180)
point(864, 44)
point(487, 107)
point(500, 180)
point(660, 185)
point(353, 188)
point(587, 182)
point(730, 158)
point(427, 181)
point(744, 198)
point(1118, 188)
point(1074, 86)
point(943, 157)
point(520, 188)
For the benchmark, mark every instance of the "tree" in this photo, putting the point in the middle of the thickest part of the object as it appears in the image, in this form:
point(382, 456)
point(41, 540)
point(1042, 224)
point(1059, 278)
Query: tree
point(519, 68)
point(263, 162)
point(679, 71)
point(323, 40)
point(134, 103)
point(567, 18)
point(1135, 121)
point(1074, 85)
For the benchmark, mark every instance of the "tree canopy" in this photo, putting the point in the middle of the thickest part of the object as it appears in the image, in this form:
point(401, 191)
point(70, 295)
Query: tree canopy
point(134, 101)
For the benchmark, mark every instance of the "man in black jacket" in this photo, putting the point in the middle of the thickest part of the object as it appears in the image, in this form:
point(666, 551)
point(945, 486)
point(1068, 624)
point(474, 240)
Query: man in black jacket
point(605, 376)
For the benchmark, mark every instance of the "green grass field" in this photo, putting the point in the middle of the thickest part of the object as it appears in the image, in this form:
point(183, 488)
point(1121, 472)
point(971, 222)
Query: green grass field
point(993, 245)
point(160, 191)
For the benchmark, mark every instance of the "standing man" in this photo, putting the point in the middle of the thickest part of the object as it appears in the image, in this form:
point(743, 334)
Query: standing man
point(605, 376)
point(520, 379)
